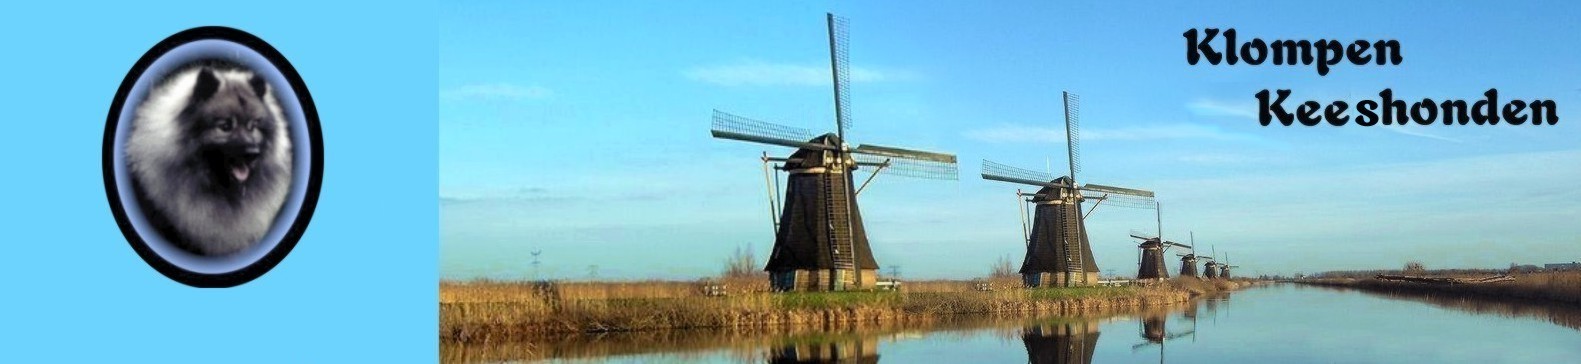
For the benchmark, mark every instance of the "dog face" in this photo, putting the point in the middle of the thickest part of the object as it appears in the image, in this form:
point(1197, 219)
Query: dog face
point(230, 128)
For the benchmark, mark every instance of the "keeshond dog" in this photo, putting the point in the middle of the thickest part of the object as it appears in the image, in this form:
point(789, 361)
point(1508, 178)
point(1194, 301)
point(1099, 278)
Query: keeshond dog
point(210, 158)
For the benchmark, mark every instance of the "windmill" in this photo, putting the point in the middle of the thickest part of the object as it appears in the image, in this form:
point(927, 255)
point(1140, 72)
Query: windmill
point(1150, 262)
point(1210, 270)
point(1224, 269)
point(1058, 251)
point(819, 240)
point(1188, 260)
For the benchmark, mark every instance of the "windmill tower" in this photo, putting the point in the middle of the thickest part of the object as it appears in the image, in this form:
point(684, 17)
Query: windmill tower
point(819, 239)
point(1150, 262)
point(1058, 251)
point(1210, 270)
point(1188, 260)
point(1224, 269)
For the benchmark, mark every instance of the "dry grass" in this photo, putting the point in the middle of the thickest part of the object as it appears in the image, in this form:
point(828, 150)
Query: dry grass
point(485, 311)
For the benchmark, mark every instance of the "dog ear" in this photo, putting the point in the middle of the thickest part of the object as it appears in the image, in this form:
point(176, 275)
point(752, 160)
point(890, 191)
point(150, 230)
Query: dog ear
point(206, 85)
point(259, 86)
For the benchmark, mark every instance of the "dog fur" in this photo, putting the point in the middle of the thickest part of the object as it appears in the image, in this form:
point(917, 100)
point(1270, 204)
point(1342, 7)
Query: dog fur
point(210, 158)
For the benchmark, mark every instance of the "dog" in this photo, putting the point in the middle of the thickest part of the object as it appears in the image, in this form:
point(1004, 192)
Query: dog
point(210, 158)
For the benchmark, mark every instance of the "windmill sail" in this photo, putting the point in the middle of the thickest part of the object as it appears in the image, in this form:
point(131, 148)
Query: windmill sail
point(839, 60)
point(735, 127)
point(1005, 173)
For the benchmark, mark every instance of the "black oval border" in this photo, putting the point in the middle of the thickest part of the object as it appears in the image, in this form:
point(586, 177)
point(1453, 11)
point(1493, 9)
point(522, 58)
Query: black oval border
point(315, 175)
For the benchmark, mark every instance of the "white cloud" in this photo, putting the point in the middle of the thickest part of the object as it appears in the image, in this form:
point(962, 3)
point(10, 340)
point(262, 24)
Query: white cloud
point(1034, 134)
point(1208, 107)
point(758, 73)
point(1408, 130)
point(495, 91)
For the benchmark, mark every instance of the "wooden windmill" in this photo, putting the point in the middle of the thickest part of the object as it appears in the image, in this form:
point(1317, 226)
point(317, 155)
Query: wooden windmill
point(1224, 269)
point(1150, 253)
point(1210, 270)
point(1058, 251)
point(1188, 260)
point(819, 241)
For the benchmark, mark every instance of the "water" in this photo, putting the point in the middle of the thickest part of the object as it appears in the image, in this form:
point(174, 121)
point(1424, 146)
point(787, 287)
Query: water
point(1279, 323)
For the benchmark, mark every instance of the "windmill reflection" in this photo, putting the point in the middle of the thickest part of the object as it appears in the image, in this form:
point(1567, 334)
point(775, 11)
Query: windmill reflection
point(1061, 343)
point(1155, 330)
point(852, 350)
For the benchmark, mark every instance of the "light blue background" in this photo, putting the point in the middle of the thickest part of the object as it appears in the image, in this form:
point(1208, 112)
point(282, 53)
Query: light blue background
point(360, 285)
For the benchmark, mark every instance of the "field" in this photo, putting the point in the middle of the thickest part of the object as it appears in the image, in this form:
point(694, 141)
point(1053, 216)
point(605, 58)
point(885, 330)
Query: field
point(485, 311)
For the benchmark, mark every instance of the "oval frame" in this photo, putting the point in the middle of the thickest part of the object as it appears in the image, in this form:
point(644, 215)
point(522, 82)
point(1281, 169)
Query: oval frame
point(288, 236)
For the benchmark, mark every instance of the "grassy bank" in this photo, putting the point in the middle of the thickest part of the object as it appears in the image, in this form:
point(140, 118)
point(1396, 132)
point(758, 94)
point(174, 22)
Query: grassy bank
point(1549, 287)
point(484, 311)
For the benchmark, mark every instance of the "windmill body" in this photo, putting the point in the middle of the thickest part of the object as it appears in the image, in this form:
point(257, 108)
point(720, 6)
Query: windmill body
point(1152, 265)
point(812, 246)
point(1058, 253)
point(1188, 260)
point(1210, 270)
point(1188, 265)
point(820, 242)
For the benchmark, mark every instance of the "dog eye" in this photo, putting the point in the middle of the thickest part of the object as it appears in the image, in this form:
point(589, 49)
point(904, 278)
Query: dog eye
point(252, 124)
point(225, 124)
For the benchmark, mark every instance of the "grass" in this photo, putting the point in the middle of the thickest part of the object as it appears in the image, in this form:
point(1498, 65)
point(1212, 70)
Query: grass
point(485, 311)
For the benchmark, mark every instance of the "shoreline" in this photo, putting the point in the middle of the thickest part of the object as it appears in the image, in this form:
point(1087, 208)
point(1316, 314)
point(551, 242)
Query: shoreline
point(1547, 288)
point(487, 311)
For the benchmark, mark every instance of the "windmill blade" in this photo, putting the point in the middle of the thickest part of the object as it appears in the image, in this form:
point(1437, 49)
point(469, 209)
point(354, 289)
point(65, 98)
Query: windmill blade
point(1073, 132)
point(1128, 201)
point(1142, 235)
point(1006, 173)
point(735, 127)
point(904, 153)
point(1116, 190)
point(839, 59)
point(1171, 243)
point(907, 167)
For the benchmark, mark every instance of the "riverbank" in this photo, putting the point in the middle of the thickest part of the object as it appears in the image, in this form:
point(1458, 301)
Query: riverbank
point(1563, 288)
point(485, 311)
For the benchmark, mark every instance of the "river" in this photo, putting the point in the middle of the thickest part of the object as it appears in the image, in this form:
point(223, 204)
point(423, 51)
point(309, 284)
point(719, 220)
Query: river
point(1282, 323)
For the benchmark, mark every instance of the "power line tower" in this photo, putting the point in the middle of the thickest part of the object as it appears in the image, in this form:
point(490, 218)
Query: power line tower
point(535, 263)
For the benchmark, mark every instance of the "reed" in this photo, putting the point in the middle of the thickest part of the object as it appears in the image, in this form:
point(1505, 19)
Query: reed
point(485, 311)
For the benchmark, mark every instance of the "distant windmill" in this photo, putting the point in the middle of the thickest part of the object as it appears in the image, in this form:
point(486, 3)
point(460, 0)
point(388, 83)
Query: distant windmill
point(1150, 262)
point(1210, 270)
point(1188, 260)
point(819, 239)
point(1058, 249)
point(1224, 269)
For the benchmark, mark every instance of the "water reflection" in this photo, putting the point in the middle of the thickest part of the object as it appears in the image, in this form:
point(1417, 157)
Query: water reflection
point(853, 350)
point(1555, 313)
point(1061, 342)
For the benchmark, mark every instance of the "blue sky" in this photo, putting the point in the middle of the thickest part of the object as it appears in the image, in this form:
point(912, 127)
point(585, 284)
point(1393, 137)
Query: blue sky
point(581, 129)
